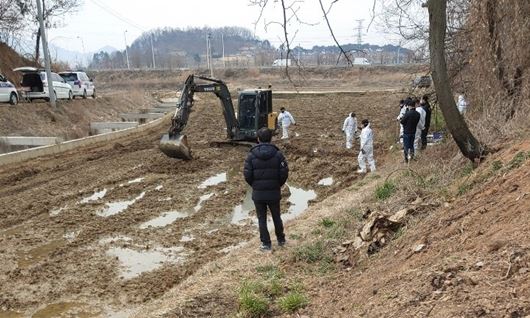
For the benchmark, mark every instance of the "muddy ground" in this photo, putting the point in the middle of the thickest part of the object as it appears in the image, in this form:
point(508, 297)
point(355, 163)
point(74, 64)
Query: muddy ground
point(67, 249)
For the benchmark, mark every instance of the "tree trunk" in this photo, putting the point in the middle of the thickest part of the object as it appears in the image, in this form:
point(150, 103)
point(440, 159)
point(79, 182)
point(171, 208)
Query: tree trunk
point(467, 143)
point(37, 46)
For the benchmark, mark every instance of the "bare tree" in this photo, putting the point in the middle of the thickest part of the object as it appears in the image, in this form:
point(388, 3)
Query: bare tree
point(470, 147)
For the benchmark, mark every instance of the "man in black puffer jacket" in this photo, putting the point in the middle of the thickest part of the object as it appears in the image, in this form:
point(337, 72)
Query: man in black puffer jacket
point(266, 171)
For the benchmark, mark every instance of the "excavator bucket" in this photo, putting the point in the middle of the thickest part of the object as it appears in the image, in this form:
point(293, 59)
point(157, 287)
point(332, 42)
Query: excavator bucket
point(175, 146)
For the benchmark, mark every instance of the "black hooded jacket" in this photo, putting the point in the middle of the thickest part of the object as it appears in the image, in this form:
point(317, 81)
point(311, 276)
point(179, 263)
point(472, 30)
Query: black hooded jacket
point(410, 121)
point(266, 171)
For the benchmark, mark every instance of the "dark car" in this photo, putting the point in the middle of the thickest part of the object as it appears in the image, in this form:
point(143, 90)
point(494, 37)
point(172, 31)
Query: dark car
point(422, 81)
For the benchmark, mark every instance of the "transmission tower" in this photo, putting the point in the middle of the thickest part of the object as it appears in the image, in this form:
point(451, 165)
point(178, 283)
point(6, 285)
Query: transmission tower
point(359, 30)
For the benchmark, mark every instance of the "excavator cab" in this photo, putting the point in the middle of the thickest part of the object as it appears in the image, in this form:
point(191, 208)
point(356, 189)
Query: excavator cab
point(254, 112)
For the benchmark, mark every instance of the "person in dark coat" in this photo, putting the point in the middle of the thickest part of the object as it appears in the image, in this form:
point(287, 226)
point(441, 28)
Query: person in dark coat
point(410, 122)
point(427, 108)
point(266, 171)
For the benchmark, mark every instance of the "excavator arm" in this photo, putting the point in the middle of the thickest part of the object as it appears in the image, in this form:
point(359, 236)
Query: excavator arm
point(175, 144)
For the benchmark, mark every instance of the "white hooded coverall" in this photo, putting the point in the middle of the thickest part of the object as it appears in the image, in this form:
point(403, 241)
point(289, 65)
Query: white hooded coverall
point(285, 120)
point(349, 128)
point(367, 144)
point(419, 128)
point(462, 104)
point(402, 112)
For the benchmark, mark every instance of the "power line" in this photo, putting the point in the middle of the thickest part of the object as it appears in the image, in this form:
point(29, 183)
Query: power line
point(117, 15)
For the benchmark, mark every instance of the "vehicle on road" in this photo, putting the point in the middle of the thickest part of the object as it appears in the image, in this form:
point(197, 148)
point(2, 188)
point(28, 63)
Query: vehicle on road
point(422, 81)
point(35, 84)
point(282, 62)
point(361, 61)
point(8, 91)
point(254, 112)
point(81, 84)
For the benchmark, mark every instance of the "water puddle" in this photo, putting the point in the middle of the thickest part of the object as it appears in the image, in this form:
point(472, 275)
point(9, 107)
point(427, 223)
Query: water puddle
point(165, 219)
point(215, 180)
point(135, 262)
point(165, 199)
point(326, 181)
point(299, 200)
point(137, 180)
point(56, 211)
point(187, 237)
point(94, 197)
point(241, 211)
point(66, 309)
point(202, 199)
point(39, 253)
point(113, 208)
point(159, 187)
point(70, 236)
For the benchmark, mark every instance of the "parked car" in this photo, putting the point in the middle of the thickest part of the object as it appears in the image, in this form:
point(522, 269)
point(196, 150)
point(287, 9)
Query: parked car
point(81, 84)
point(8, 91)
point(422, 81)
point(35, 84)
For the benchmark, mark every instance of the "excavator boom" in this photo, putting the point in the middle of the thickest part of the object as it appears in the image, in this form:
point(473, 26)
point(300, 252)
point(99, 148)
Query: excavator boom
point(174, 144)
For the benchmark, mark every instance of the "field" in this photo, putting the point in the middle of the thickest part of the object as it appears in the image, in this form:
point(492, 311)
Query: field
point(101, 230)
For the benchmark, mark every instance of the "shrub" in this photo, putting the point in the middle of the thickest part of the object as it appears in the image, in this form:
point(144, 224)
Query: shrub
point(327, 222)
point(310, 253)
point(293, 301)
point(385, 191)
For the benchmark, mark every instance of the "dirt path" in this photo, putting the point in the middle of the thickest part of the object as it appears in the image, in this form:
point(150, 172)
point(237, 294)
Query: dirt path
point(68, 243)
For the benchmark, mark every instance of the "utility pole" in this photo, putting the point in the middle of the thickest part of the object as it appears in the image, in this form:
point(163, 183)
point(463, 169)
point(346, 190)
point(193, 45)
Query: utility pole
point(359, 30)
point(223, 43)
point(153, 51)
point(84, 52)
point(210, 53)
point(126, 50)
point(51, 91)
point(207, 53)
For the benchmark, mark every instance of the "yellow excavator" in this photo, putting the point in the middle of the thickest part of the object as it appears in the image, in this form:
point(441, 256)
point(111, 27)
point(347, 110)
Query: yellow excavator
point(254, 112)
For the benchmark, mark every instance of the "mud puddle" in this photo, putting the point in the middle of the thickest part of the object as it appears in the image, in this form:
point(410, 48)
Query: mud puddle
point(39, 253)
point(118, 206)
point(215, 180)
point(94, 197)
point(56, 211)
point(202, 199)
point(326, 182)
point(164, 219)
point(134, 262)
point(241, 211)
point(299, 200)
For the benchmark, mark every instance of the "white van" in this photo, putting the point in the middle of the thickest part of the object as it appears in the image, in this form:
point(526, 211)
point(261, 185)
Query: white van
point(35, 84)
point(8, 91)
point(81, 84)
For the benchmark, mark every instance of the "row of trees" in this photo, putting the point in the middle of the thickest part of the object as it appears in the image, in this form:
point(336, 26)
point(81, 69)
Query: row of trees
point(19, 16)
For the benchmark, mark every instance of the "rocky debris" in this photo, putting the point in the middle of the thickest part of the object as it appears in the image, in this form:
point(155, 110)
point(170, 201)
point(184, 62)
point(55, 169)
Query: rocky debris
point(374, 234)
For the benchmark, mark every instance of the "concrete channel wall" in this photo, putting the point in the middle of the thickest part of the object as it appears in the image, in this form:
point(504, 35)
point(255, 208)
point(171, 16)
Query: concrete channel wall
point(22, 155)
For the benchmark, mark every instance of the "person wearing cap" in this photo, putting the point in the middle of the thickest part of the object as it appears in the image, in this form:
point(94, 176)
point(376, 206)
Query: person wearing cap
point(366, 152)
point(349, 128)
point(410, 124)
point(285, 119)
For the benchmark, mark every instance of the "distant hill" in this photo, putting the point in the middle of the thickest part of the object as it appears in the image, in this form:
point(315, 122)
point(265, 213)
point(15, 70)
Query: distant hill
point(182, 47)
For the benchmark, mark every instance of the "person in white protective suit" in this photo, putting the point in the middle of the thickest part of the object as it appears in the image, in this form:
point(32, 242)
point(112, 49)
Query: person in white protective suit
point(402, 111)
point(285, 119)
point(420, 127)
point(462, 104)
point(349, 128)
point(367, 148)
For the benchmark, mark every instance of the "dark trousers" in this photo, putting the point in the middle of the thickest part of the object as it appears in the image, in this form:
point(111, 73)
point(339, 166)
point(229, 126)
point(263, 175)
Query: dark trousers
point(424, 138)
point(408, 145)
point(261, 209)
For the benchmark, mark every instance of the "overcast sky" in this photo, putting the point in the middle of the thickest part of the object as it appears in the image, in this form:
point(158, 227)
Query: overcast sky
point(103, 22)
